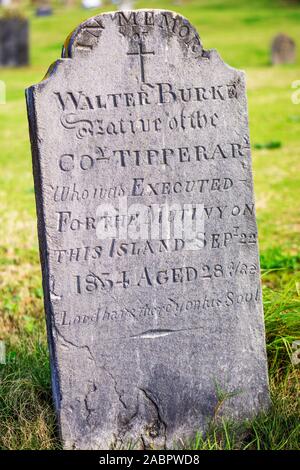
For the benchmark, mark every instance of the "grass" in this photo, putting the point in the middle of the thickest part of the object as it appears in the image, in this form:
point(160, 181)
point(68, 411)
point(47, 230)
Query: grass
point(277, 430)
point(26, 416)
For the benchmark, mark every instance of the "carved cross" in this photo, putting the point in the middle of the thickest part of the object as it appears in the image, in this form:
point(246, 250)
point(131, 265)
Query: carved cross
point(141, 53)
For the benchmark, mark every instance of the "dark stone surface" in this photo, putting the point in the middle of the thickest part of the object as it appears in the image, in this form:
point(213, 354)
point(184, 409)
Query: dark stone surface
point(14, 42)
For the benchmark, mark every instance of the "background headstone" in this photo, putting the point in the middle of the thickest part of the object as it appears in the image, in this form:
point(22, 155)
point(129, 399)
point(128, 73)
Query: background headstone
point(44, 8)
point(5, 3)
point(283, 50)
point(44, 11)
point(126, 4)
point(91, 3)
point(146, 327)
point(14, 42)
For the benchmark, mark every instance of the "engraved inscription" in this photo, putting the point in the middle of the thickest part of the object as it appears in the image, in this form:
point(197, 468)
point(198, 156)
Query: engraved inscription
point(147, 95)
point(171, 309)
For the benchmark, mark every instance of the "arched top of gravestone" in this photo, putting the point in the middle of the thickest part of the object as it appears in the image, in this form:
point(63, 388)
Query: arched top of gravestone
point(133, 25)
point(136, 35)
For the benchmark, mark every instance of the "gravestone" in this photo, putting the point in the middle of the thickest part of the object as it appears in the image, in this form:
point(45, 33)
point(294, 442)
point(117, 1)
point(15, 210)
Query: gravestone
point(147, 231)
point(283, 50)
point(14, 42)
point(44, 8)
point(126, 5)
point(44, 11)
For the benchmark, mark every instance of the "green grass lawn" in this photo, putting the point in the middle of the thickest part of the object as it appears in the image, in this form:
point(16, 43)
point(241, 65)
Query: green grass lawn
point(241, 31)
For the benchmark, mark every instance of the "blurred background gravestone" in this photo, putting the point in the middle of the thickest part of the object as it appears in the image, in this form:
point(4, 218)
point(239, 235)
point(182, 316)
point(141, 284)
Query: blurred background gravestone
point(91, 3)
point(43, 8)
point(126, 5)
point(14, 41)
point(5, 3)
point(283, 50)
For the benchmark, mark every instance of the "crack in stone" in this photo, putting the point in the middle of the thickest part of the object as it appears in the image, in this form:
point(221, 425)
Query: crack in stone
point(143, 442)
point(148, 396)
point(152, 334)
point(91, 357)
point(86, 398)
point(115, 386)
point(149, 334)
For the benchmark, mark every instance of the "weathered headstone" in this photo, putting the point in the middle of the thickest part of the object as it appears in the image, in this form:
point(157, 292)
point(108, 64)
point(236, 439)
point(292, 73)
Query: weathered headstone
point(283, 50)
point(14, 41)
point(5, 3)
point(138, 137)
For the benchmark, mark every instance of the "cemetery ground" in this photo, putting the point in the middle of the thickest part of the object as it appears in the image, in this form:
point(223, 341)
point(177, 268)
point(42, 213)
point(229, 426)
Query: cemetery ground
point(242, 33)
